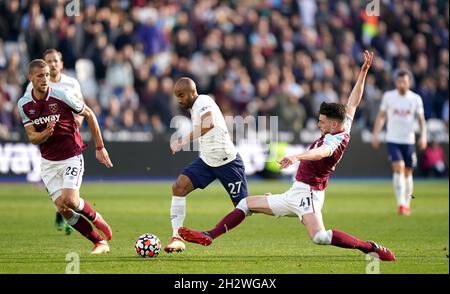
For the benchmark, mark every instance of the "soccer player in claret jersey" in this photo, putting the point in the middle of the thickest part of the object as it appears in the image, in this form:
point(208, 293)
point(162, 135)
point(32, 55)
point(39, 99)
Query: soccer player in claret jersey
point(306, 196)
point(218, 157)
point(47, 115)
point(59, 80)
point(400, 107)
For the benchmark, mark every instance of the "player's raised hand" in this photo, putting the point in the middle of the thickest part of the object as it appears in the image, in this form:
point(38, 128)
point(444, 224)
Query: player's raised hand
point(103, 156)
point(287, 161)
point(368, 57)
point(176, 145)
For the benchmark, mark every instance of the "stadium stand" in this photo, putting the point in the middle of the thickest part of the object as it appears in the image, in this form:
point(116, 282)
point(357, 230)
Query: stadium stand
point(267, 57)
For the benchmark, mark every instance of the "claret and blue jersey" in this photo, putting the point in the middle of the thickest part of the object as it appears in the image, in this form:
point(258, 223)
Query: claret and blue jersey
point(57, 106)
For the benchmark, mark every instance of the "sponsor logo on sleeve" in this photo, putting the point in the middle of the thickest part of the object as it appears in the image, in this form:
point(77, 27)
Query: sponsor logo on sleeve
point(205, 108)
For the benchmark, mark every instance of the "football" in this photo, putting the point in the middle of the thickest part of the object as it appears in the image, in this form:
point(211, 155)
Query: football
point(148, 245)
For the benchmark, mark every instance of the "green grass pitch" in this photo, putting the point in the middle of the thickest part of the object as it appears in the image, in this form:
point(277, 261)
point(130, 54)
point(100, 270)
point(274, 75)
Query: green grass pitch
point(29, 242)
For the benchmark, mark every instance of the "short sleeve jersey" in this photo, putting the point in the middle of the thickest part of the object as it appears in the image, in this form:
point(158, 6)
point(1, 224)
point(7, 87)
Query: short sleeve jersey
point(57, 105)
point(401, 112)
point(216, 147)
point(316, 172)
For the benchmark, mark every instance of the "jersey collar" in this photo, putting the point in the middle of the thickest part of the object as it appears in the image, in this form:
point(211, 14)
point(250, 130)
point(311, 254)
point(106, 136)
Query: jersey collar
point(337, 132)
point(47, 95)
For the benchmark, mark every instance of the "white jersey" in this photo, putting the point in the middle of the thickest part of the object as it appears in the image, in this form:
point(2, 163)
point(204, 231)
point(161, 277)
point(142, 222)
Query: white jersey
point(216, 147)
point(401, 112)
point(66, 83)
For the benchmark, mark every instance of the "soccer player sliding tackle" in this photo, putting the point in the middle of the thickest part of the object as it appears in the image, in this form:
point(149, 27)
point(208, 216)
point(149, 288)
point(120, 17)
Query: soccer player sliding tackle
point(306, 196)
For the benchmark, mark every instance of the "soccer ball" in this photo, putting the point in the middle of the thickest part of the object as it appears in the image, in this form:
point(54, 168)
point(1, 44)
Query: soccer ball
point(148, 245)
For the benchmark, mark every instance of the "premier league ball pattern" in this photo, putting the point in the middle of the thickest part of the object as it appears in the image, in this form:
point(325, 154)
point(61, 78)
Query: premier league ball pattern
point(148, 245)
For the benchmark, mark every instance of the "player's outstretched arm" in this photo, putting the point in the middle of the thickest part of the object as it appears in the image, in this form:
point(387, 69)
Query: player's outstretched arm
point(101, 154)
point(358, 89)
point(207, 124)
point(312, 154)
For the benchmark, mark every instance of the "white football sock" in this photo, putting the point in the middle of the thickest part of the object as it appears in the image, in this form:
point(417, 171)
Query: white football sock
point(398, 180)
point(74, 219)
point(323, 237)
point(242, 205)
point(408, 189)
point(177, 213)
point(80, 205)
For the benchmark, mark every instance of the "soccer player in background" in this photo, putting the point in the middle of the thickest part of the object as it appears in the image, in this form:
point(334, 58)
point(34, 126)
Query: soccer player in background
point(47, 115)
point(400, 107)
point(218, 157)
point(59, 80)
point(306, 196)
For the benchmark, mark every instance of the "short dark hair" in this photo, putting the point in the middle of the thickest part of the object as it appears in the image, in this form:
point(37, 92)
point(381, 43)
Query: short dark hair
point(49, 51)
point(36, 63)
point(333, 111)
point(403, 72)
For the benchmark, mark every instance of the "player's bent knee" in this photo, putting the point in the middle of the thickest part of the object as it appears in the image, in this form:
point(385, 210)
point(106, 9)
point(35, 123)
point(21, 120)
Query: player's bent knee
point(322, 237)
point(60, 206)
point(70, 202)
point(64, 210)
point(179, 189)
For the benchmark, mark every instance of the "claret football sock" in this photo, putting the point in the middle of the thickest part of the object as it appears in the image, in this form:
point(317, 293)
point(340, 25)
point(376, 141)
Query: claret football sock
point(344, 240)
point(230, 221)
point(86, 209)
point(80, 224)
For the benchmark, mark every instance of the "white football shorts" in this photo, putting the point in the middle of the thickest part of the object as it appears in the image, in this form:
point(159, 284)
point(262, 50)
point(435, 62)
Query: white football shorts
point(63, 174)
point(300, 199)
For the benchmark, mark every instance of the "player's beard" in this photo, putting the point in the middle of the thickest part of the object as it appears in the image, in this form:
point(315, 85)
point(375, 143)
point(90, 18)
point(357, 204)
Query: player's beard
point(54, 73)
point(42, 89)
point(186, 105)
point(190, 102)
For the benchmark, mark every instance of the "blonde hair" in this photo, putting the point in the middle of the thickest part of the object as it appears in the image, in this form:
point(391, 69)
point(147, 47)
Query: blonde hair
point(36, 63)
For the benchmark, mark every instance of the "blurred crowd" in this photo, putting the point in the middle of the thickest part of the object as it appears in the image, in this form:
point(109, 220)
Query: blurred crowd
point(270, 57)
